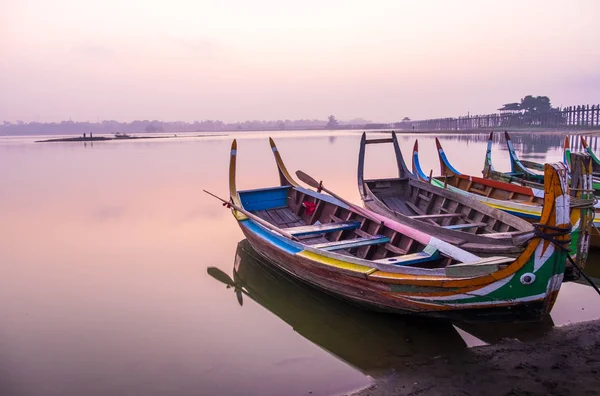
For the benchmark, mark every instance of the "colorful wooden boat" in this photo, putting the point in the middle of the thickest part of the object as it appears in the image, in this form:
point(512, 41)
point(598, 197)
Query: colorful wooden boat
point(521, 201)
point(595, 165)
point(595, 159)
point(453, 217)
point(376, 262)
point(520, 172)
point(536, 166)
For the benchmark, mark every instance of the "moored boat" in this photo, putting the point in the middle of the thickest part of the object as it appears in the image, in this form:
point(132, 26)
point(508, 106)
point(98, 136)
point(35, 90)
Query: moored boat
point(373, 261)
point(521, 201)
point(519, 174)
point(453, 217)
point(526, 172)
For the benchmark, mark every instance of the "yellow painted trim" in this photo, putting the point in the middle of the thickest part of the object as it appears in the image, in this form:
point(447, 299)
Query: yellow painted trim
point(233, 194)
point(335, 262)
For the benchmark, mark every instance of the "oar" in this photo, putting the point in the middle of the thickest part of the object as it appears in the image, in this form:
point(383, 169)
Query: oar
point(224, 278)
point(220, 276)
point(255, 218)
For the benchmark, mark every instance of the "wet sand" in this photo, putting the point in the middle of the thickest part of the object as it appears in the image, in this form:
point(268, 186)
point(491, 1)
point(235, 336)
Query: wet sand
point(566, 362)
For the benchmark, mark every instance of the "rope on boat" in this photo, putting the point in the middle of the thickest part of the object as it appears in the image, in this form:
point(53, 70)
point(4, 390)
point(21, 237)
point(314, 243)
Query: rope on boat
point(550, 233)
point(583, 203)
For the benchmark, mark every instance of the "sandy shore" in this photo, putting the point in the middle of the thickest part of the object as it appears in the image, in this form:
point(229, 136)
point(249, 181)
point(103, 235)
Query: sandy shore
point(566, 362)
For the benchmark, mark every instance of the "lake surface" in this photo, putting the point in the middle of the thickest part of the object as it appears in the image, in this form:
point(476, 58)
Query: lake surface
point(104, 250)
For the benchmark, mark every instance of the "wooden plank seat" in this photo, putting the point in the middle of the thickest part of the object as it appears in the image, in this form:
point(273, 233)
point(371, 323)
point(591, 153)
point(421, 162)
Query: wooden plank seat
point(477, 190)
point(466, 225)
point(430, 253)
point(437, 216)
point(352, 243)
point(323, 228)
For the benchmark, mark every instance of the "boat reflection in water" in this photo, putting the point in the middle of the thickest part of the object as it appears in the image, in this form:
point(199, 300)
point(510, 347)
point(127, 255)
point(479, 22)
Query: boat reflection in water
point(370, 341)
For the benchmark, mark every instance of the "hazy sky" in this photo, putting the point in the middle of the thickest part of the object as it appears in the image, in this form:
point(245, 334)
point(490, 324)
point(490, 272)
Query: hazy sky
point(237, 60)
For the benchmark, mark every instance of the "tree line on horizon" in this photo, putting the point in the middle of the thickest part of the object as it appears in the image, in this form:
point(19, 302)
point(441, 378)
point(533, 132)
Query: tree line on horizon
point(153, 126)
point(529, 106)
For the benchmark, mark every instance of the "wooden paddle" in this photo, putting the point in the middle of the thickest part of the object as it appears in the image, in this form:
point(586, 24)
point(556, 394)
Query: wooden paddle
point(255, 218)
point(226, 279)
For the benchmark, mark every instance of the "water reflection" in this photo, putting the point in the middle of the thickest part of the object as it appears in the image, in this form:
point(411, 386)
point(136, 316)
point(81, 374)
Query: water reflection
point(370, 341)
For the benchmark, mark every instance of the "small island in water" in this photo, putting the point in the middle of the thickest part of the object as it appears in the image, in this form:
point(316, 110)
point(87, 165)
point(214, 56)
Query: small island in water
point(118, 136)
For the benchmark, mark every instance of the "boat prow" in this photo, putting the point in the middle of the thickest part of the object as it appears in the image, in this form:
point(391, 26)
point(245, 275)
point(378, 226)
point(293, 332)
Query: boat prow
point(522, 167)
point(488, 168)
point(567, 154)
point(285, 178)
point(519, 169)
point(446, 168)
point(416, 163)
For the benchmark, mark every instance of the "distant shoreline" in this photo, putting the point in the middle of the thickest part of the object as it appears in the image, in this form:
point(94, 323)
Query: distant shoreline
point(104, 138)
point(326, 131)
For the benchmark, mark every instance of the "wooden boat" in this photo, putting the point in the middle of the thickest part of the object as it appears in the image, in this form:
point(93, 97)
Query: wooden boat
point(453, 217)
point(521, 171)
point(530, 166)
point(333, 324)
point(595, 165)
point(376, 262)
point(521, 201)
point(595, 159)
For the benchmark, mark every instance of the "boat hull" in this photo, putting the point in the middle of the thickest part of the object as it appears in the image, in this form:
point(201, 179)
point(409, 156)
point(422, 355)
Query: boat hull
point(379, 296)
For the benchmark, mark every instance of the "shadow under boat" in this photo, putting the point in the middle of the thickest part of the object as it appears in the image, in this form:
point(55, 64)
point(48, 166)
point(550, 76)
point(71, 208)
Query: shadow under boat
point(372, 342)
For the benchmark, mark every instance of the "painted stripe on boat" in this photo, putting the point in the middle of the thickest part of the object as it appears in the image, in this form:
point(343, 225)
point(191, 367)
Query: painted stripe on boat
point(335, 262)
point(271, 237)
point(475, 293)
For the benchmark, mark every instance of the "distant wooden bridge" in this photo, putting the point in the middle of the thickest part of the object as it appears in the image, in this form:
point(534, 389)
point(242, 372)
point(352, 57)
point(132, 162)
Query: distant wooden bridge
point(572, 117)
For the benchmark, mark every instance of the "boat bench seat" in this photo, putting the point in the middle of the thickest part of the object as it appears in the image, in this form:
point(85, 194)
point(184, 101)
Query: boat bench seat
point(323, 228)
point(461, 226)
point(430, 253)
point(352, 243)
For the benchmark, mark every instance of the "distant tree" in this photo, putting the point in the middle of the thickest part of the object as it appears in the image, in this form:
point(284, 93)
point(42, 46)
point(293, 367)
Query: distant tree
point(535, 104)
point(406, 119)
point(154, 127)
point(529, 105)
point(332, 123)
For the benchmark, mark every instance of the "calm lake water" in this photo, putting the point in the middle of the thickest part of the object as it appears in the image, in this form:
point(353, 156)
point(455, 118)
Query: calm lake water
point(104, 290)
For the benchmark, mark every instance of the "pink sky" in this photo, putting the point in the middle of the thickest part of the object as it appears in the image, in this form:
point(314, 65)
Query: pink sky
point(238, 60)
